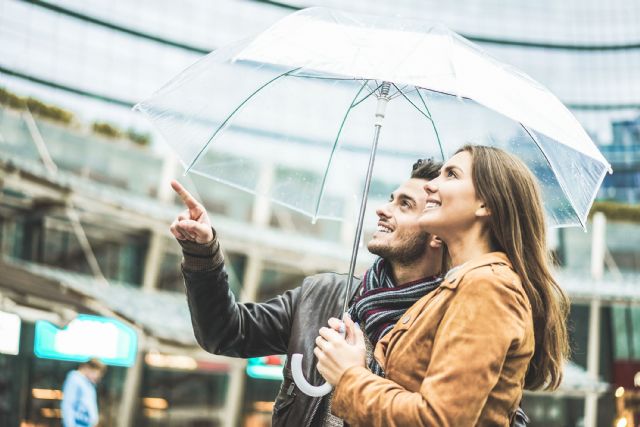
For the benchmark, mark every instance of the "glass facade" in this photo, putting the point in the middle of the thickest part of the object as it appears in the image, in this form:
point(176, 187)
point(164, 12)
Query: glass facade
point(95, 59)
point(180, 398)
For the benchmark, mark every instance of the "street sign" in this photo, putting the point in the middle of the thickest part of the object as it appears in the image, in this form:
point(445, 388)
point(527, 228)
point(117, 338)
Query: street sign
point(87, 336)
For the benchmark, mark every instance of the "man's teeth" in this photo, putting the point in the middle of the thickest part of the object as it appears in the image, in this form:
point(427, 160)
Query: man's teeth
point(384, 229)
point(432, 205)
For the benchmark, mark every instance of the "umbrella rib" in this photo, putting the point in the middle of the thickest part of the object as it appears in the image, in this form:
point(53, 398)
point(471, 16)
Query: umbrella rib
point(562, 186)
point(335, 145)
point(428, 116)
point(302, 76)
point(435, 129)
point(363, 99)
point(224, 123)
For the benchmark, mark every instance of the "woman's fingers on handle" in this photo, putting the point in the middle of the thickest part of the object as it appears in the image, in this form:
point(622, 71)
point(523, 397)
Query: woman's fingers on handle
point(335, 324)
point(359, 335)
point(349, 328)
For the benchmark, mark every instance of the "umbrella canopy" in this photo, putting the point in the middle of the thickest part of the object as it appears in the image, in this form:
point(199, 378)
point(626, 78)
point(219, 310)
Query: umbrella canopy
point(288, 113)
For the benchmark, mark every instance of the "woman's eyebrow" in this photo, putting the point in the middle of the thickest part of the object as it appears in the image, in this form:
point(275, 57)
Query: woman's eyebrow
point(449, 168)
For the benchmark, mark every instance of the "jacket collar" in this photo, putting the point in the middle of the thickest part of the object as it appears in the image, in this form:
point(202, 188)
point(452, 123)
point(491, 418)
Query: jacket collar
point(490, 258)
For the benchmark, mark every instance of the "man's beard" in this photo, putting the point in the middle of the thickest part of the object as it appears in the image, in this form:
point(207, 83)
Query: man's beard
point(404, 252)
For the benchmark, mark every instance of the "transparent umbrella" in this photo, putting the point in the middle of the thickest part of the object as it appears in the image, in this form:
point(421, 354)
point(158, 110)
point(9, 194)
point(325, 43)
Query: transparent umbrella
point(289, 113)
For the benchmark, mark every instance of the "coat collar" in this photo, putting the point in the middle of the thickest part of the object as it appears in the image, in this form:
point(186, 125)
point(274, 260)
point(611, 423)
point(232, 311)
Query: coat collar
point(490, 258)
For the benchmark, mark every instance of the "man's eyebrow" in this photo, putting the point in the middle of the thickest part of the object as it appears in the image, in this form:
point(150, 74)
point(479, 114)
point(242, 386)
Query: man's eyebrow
point(405, 196)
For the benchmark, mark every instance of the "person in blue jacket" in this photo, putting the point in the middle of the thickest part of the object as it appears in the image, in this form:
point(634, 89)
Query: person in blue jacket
point(79, 399)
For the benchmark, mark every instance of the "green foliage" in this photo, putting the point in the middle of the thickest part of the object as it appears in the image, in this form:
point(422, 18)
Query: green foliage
point(42, 110)
point(107, 130)
point(37, 108)
point(617, 211)
point(142, 139)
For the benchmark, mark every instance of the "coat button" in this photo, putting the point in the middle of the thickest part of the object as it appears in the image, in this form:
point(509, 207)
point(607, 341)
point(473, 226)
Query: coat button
point(406, 318)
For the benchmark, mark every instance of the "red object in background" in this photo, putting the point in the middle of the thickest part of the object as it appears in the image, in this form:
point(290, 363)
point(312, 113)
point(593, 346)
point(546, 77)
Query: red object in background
point(624, 372)
point(273, 360)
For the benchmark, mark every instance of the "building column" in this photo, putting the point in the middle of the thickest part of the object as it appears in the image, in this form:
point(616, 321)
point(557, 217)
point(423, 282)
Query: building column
point(598, 251)
point(153, 260)
point(131, 388)
point(593, 363)
point(235, 392)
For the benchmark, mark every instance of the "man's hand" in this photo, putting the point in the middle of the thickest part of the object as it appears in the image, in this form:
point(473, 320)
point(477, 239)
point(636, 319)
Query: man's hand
point(193, 224)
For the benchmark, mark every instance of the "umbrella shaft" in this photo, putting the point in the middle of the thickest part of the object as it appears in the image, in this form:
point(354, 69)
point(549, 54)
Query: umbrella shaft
point(380, 111)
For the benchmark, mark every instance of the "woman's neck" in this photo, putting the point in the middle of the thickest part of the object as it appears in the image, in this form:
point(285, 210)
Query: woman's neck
point(467, 247)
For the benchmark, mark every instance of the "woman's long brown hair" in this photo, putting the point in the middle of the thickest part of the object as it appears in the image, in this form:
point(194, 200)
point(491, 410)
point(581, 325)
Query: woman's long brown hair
point(517, 227)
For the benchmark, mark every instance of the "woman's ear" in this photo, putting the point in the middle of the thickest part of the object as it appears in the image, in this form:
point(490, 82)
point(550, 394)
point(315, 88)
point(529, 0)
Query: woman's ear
point(435, 242)
point(483, 211)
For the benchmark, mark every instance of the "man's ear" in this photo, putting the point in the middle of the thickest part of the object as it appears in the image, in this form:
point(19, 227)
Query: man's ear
point(483, 211)
point(435, 242)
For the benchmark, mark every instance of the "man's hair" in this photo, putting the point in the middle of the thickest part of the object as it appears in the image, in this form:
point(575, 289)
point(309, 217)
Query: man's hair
point(94, 363)
point(426, 169)
point(429, 169)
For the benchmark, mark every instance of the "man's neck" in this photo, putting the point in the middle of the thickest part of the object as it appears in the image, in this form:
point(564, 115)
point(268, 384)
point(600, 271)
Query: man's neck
point(405, 273)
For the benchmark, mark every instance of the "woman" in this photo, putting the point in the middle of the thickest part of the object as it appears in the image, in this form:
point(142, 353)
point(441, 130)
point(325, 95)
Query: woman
point(461, 355)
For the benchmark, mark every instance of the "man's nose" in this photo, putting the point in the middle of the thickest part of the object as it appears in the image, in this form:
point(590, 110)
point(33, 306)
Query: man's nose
point(383, 211)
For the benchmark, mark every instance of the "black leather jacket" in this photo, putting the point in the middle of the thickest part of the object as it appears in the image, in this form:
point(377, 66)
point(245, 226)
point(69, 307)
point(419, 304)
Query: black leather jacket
point(285, 324)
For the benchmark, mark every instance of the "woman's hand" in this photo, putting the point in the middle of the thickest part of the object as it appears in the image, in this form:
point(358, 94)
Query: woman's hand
point(337, 354)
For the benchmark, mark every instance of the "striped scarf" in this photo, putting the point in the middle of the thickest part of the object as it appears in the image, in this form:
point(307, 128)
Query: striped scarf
point(380, 303)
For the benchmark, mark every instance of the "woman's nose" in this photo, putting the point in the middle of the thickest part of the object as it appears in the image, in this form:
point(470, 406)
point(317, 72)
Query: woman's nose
point(431, 186)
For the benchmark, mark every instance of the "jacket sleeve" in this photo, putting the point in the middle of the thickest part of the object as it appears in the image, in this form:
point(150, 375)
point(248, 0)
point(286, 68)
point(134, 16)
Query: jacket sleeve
point(484, 319)
point(220, 324)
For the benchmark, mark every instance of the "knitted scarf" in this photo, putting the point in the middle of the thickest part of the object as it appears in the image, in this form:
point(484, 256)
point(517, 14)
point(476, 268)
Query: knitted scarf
point(380, 303)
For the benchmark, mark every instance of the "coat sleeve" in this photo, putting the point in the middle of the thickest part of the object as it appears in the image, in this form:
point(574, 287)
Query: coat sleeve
point(69, 396)
point(484, 319)
point(220, 324)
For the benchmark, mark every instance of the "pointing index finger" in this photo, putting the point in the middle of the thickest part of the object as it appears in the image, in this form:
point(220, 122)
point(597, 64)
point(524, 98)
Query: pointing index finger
point(186, 197)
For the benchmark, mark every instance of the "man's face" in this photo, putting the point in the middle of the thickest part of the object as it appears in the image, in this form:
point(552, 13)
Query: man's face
point(399, 237)
point(94, 375)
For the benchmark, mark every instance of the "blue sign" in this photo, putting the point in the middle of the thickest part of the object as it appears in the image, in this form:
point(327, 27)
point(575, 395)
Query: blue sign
point(110, 340)
point(268, 368)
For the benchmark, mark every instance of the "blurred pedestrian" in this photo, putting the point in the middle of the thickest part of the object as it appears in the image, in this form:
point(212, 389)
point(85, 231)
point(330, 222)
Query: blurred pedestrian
point(408, 268)
point(462, 354)
point(79, 399)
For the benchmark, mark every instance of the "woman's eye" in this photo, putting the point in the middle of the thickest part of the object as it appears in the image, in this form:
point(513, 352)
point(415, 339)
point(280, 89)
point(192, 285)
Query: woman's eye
point(451, 173)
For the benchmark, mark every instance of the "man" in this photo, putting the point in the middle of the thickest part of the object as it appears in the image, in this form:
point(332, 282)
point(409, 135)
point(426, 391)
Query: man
point(79, 400)
point(409, 266)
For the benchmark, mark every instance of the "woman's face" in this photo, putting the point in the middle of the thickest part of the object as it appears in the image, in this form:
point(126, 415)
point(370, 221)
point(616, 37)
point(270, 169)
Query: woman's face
point(452, 204)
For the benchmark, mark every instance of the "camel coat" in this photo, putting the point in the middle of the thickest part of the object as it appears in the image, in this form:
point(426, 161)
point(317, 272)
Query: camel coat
point(457, 358)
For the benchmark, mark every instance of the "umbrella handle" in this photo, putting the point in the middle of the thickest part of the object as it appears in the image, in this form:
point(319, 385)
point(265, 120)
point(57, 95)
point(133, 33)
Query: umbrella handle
point(301, 381)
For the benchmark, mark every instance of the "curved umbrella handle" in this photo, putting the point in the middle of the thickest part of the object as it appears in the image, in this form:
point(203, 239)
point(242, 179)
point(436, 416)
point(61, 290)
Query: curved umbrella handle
point(301, 381)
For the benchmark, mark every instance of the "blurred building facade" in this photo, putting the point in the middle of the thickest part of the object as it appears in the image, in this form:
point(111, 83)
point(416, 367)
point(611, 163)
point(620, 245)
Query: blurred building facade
point(84, 210)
